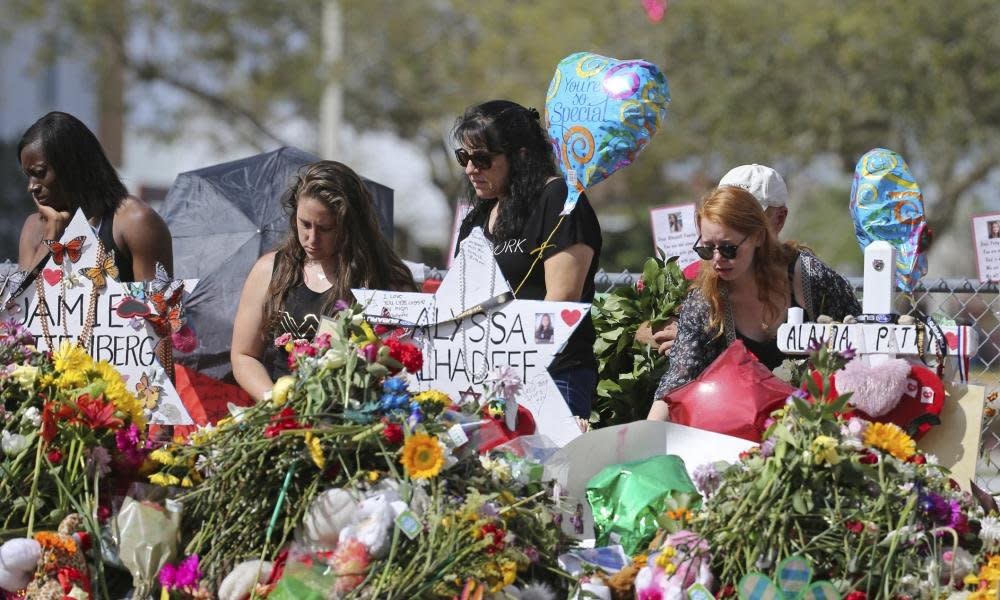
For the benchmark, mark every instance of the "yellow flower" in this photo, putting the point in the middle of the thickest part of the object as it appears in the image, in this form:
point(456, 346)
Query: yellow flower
point(373, 476)
point(669, 568)
point(508, 568)
point(663, 560)
point(25, 375)
point(890, 438)
point(164, 457)
point(118, 393)
point(315, 450)
point(432, 402)
point(279, 393)
point(164, 479)
point(824, 450)
point(70, 357)
point(422, 456)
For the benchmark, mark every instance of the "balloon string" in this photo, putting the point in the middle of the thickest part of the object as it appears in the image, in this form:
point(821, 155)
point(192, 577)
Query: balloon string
point(538, 255)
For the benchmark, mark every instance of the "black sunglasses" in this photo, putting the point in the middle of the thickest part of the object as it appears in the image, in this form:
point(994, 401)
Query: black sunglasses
point(481, 159)
point(727, 251)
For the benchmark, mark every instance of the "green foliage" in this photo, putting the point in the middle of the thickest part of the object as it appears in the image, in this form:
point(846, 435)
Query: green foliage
point(628, 371)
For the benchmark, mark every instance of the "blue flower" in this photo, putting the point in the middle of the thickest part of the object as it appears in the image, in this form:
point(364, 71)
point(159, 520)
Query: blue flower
point(390, 401)
point(395, 385)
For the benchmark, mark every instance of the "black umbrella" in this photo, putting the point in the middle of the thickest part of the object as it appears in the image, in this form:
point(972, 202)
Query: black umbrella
point(222, 219)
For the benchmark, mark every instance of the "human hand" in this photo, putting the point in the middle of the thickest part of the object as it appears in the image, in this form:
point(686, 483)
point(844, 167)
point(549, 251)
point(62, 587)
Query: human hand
point(665, 336)
point(54, 221)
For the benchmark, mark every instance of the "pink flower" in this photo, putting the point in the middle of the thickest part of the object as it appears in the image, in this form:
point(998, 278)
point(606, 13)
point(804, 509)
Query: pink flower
point(184, 575)
point(349, 561)
point(282, 339)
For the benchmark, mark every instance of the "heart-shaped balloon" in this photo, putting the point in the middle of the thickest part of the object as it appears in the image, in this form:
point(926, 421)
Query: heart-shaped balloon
point(886, 205)
point(600, 113)
point(735, 395)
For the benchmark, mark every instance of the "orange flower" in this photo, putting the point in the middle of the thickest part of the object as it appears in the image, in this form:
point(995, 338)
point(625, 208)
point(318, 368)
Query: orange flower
point(97, 413)
point(47, 539)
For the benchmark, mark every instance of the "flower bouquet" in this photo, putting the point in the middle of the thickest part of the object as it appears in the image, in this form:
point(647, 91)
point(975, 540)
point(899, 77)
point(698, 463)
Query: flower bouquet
point(347, 483)
point(628, 371)
point(857, 500)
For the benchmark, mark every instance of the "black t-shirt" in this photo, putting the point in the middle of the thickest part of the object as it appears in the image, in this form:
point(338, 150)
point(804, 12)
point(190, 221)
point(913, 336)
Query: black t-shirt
point(515, 258)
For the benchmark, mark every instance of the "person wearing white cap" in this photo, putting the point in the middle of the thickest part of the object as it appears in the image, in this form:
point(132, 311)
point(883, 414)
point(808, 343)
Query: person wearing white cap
point(770, 190)
point(767, 187)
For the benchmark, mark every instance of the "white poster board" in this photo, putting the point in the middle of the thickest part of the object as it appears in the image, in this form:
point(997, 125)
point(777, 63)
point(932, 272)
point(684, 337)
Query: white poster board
point(986, 239)
point(127, 344)
point(675, 231)
point(472, 325)
point(461, 211)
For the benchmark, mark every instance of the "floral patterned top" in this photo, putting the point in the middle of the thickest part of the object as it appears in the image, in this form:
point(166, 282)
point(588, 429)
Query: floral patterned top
point(825, 292)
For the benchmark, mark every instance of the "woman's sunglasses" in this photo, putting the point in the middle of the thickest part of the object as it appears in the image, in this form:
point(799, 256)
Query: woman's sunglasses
point(727, 251)
point(481, 159)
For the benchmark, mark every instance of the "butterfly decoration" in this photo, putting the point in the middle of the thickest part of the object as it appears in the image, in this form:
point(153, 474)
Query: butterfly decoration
point(147, 392)
point(165, 323)
point(72, 249)
point(135, 289)
point(164, 292)
point(99, 273)
point(11, 287)
point(794, 583)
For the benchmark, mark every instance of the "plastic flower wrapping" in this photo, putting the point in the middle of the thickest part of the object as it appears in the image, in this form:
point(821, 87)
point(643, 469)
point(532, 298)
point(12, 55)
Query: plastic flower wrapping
point(600, 113)
point(886, 205)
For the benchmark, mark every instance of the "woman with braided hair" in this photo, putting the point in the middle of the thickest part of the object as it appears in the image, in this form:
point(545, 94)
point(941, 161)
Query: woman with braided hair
point(517, 196)
point(333, 244)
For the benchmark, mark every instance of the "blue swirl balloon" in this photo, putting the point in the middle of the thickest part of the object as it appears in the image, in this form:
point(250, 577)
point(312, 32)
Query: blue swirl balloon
point(886, 205)
point(600, 113)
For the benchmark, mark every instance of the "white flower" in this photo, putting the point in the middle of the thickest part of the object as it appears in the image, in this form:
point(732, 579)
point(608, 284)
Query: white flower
point(989, 532)
point(498, 469)
point(931, 459)
point(32, 416)
point(13, 443)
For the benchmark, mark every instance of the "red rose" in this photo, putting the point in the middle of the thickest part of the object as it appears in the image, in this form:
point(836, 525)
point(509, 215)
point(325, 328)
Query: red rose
point(917, 459)
point(55, 456)
point(854, 526)
point(856, 595)
point(103, 514)
point(393, 433)
point(869, 458)
point(640, 285)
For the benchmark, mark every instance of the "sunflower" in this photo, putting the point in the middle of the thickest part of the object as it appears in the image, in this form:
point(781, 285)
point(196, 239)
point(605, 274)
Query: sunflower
point(432, 402)
point(422, 456)
point(890, 438)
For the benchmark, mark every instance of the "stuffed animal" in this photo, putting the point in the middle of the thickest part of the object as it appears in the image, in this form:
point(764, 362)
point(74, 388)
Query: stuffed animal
point(18, 559)
point(62, 569)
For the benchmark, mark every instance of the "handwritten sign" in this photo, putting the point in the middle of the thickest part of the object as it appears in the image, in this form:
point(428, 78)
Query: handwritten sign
point(986, 237)
point(870, 338)
point(470, 327)
point(70, 307)
point(675, 231)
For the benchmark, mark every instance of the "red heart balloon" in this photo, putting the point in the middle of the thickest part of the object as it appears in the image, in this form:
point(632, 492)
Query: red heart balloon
point(735, 395)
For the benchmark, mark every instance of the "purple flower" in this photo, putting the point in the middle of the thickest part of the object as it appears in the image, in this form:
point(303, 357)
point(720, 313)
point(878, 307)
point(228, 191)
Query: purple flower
point(707, 478)
point(767, 448)
point(127, 442)
point(340, 305)
point(532, 553)
point(185, 574)
point(848, 353)
point(815, 344)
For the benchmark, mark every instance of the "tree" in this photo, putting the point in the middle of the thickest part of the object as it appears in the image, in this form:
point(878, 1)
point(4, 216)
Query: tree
point(783, 82)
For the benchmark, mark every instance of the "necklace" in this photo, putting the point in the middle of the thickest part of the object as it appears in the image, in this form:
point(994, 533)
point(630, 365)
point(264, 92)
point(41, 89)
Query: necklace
point(43, 308)
point(318, 274)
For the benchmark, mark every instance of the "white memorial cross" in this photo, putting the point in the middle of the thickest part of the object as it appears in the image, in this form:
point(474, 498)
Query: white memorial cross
point(72, 308)
point(877, 342)
point(473, 324)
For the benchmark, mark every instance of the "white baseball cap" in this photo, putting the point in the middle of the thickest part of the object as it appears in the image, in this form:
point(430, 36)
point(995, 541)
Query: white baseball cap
point(763, 182)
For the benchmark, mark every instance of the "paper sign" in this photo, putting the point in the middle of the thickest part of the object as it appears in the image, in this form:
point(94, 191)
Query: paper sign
point(955, 442)
point(461, 211)
point(575, 464)
point(986, 237)
point(871, 338)
point(471, 326)
point(675, 231)
point(74, 305)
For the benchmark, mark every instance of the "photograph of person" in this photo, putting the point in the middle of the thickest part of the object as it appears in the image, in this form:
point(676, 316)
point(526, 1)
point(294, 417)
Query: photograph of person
point(994, 228)
point(543, 328)
point(675, 222)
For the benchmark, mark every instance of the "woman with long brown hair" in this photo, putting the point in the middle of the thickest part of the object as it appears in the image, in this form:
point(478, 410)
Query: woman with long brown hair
point(333, 244)
point(746, 285)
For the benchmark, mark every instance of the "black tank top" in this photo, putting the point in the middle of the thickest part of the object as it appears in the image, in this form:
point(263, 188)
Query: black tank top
point(767, 351)
point(300, 318)
point(123, 260)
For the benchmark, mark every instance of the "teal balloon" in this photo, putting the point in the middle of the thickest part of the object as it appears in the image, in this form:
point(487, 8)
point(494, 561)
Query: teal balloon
point(600, 113)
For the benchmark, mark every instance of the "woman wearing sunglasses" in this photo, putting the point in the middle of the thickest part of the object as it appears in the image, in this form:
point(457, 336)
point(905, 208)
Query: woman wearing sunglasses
point(517, 195)
point(747, 283)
